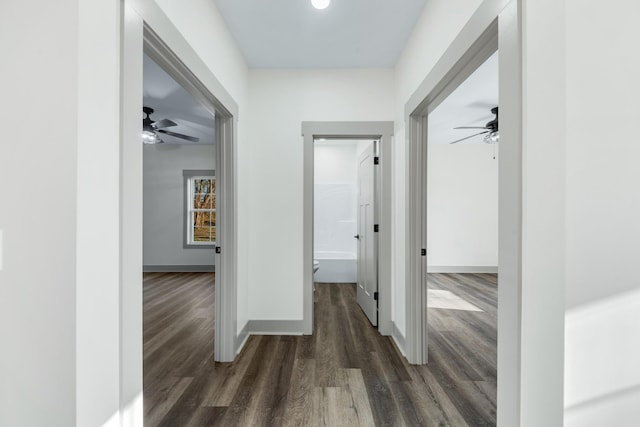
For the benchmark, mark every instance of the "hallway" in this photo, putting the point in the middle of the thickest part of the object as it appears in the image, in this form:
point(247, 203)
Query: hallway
point(346, 374)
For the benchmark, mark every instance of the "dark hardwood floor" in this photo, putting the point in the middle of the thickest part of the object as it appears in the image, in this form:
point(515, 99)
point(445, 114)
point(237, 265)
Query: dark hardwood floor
point(345, 374)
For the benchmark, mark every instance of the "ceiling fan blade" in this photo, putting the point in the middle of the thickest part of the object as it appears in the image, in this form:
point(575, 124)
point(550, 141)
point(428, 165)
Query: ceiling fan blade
point(164, 123)
point(467, 137)
point(471, 127)
point(179, 135)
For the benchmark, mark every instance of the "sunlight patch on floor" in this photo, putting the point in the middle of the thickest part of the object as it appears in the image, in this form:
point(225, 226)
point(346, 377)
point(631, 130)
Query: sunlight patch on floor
point(437, 298)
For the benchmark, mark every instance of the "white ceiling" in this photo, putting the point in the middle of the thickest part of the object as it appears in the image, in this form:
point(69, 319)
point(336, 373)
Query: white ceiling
point(469, 105)
point(171, 101)
point(347, 34)
point(273, 33)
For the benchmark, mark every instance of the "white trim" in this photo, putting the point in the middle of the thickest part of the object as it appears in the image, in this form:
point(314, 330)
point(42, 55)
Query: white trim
point(131, 213)
point(509, 397)
point(416, 241)
point(382, 131)
point(399, 339)
point(241, 338)
point(462, 269)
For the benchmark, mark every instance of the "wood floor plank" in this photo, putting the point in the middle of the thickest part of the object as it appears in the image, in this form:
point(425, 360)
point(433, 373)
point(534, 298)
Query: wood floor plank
point(432, 403)
point(299, 405)
point(345, 374)
point(306, 347)
point(383, 405)
point(207, 416)
point(251, 386)
point(335, 407)
point(225, 388)
point(278, 381)
point(162, 403)
point(361, 405)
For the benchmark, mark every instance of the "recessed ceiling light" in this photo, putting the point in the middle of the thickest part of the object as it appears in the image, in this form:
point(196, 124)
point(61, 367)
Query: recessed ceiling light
point(320, 4)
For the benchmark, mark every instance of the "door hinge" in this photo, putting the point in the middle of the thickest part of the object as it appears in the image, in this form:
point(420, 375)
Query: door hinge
point(375, 295)
point(218, 249)
point(376, 228)
point(423, 252)
point(376, 160)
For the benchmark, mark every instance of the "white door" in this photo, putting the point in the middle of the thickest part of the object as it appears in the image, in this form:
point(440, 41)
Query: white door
point(367, 291)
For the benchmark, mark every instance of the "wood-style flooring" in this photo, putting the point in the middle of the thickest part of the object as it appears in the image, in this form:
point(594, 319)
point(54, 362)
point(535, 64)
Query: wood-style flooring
point(345, 374)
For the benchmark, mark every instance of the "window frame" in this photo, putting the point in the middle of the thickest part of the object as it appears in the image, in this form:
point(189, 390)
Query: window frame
point(189, 175)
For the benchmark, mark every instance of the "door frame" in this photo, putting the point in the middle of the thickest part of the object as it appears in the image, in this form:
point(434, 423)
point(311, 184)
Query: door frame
point(383, 132)
point(495, 22)
point(437, 86)
point(146, 27)
point(225, 297)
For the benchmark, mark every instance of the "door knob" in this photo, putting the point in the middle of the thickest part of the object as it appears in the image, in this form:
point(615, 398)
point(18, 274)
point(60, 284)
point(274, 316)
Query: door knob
point(357, 236)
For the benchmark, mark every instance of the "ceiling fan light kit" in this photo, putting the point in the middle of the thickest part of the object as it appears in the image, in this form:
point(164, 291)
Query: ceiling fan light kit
point(149, 137)
point(150, 129)
point(491, 131)
point(492, 137)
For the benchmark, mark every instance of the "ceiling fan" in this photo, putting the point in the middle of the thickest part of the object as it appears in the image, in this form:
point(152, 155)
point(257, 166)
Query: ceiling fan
point(490, 129)
point(150, 129)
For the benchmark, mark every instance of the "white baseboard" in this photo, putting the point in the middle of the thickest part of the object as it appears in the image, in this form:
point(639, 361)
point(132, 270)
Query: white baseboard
point(399, 339)
point(242, 338)
point(179, 268)
point(267, 327)
point(275, 327)
point(462, 269)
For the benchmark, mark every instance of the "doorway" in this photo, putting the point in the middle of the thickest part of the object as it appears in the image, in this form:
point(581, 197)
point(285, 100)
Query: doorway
point(345, 236)
point(378, 131)
point(491, 23)
point(462, 176)
point(224, 175)
point(147, 30)
point(179, 238)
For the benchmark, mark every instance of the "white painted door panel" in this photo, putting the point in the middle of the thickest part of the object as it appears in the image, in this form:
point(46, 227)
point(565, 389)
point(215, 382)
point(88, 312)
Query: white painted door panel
point(367, 257)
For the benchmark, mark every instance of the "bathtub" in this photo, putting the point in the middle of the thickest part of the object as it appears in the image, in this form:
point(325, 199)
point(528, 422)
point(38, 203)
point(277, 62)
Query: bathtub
point(336, 267)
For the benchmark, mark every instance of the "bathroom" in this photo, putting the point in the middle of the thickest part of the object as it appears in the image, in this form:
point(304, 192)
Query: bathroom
point(335, 209)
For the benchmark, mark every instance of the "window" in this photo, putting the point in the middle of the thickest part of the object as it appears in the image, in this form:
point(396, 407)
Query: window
point(200, 208)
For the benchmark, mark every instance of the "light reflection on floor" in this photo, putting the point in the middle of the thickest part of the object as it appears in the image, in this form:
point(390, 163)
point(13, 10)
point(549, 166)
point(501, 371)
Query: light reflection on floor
point(437, 298)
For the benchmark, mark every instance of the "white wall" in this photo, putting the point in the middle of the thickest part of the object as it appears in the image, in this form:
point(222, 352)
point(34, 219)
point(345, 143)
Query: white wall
point(279, 101)
point(440, 22)
point(163, 215)
point(602, 378)
point(38, 276)
point(462, 207)
point(60, 279)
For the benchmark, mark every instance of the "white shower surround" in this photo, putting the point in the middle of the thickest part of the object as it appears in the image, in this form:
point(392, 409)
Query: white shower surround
point(335, 211)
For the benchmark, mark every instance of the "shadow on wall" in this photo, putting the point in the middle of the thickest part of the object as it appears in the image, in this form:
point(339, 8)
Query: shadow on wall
point(602, 338)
